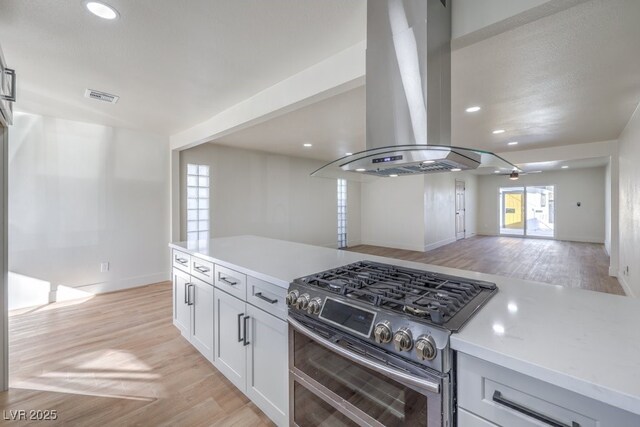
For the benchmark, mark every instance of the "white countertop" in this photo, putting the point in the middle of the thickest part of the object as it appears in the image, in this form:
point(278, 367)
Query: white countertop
point(587, 342)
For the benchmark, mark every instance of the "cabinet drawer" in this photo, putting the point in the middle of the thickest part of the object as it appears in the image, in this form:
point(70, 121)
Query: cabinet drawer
point(202, 269)
point(267, 296)
point(181, 260)
point(231, 281)
point(508, 398)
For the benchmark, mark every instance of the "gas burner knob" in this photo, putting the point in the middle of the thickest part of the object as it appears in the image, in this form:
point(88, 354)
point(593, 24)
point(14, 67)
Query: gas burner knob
point(402, 340)
point(382, 333)
point(314, 306)
point(426, 348)
point(302, 302)
point(292, 297)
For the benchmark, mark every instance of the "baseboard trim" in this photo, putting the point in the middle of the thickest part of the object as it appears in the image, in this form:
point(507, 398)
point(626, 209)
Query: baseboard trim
point(613, 272)
point(118, 285)
point(436, 245)
point(626, 288)
point(393, 245)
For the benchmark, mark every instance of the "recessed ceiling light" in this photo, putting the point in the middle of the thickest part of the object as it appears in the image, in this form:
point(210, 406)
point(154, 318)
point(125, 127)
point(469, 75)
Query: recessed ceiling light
point(101, 10)
point(497, 131)
point(348, 154)
point(472, 109)
point(456, 170)
point(308, 145)
point(393, 175)
point(565, 167)
point(512, 143)
point(496, 171)
point(360, 170)
point(428, 162)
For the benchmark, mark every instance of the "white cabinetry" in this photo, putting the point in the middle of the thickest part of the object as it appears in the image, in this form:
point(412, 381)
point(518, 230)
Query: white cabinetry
point(193, 304)
point(251, 344)
point(489, 393)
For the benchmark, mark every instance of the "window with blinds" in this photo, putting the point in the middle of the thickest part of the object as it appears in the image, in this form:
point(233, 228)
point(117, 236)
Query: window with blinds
point(197, 202)
point(342, 213)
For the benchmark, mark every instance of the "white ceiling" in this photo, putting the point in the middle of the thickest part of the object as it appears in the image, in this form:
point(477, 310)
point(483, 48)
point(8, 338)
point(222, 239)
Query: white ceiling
point(173, 63)
point(572, 77)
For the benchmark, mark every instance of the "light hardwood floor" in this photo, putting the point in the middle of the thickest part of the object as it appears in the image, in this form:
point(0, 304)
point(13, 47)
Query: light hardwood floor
point(570, 264)
point(117, 360)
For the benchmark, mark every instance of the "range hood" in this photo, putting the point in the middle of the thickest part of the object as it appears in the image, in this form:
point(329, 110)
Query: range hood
point(408, 91)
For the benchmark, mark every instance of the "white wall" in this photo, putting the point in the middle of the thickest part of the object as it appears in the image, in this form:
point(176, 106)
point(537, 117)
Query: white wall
point(272, 196)
point(81, 194)
point(393, 212)
point(582, 224)
point(629, 196)
point(415, 212)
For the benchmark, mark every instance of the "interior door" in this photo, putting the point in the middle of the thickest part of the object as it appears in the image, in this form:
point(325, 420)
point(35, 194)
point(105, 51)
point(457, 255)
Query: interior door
point(460, 210)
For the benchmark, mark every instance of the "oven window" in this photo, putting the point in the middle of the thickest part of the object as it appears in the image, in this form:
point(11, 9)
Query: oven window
point(385, 400)
point(311, 411)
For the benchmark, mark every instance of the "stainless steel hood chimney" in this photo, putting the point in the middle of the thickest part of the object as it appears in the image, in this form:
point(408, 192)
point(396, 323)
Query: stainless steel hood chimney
point(408, 88)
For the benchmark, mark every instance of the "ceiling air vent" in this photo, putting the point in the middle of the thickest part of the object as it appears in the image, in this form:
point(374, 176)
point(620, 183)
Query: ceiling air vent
point(101, 96)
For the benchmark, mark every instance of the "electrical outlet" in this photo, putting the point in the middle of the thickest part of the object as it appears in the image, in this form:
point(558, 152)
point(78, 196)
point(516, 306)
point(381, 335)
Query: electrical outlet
point(104, 267)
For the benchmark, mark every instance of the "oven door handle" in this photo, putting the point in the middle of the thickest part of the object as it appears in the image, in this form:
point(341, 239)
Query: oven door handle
point(356, 358)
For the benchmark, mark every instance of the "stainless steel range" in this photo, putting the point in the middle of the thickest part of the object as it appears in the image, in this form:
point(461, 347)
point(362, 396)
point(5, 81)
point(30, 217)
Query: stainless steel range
point(369, 344)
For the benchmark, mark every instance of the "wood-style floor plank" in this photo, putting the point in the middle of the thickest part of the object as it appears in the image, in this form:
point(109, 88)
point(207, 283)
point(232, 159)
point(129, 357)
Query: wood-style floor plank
point(116, 360)
point(570, 264)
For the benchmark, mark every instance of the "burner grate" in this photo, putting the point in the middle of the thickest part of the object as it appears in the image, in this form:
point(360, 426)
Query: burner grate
point(418, 293)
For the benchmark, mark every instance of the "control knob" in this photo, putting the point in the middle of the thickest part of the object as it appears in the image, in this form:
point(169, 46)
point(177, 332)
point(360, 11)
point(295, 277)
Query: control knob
point(314, 306)
point(382, 333)
point(426, 348)
point(292, 297)
point(302, 302)
point(402, 340)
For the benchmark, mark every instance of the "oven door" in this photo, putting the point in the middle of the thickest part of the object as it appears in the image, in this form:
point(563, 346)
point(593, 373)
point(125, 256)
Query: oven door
point(338, 380)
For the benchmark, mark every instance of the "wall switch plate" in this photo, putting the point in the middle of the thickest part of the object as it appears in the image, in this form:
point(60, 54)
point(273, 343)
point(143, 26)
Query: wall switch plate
point(104, 267)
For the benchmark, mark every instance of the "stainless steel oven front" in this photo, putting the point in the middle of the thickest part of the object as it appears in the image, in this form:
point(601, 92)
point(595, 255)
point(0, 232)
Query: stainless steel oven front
point(336, 379)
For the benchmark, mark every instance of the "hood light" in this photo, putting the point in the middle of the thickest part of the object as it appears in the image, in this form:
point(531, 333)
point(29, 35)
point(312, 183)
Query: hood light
point(456, 170)
point(393, 175)
point(101, 10)
point(428, 162)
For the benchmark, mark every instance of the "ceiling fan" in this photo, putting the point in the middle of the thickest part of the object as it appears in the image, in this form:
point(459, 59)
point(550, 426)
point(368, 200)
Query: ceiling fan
point(516, 173)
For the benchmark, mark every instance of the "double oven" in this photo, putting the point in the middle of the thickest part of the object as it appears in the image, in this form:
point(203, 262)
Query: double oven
point(336, 379)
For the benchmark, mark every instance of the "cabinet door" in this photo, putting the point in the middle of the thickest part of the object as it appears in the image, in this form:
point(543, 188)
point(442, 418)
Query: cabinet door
point(181, 308)
point(202, 317)
point(267, 364)
point(230, 351)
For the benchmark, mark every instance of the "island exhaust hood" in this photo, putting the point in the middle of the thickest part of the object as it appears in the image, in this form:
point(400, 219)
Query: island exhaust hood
point(408, 91)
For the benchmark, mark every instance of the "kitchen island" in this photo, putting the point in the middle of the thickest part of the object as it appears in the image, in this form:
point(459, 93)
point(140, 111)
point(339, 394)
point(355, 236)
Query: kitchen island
point(580, 341)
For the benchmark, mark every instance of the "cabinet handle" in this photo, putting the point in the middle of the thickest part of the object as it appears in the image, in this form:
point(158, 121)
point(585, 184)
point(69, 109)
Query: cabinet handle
point(227, 281)
point(186, 292)
point(497, 397)
point(262, 297)
point(192, 301)
point(240, 338)
point(244, 339)
point(201, 268)
point(182, 261)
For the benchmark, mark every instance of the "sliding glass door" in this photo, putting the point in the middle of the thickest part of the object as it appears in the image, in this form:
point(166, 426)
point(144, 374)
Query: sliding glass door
point(527, 211)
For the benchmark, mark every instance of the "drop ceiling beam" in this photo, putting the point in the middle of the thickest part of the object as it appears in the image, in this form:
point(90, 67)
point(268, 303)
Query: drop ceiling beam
point(337, 74)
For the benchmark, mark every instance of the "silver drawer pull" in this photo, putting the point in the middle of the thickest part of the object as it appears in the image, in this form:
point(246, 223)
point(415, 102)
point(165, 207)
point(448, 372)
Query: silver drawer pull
point(497, 397)
point(262, 297)
point(201, 268)
point(181, 260)
point(227, 281)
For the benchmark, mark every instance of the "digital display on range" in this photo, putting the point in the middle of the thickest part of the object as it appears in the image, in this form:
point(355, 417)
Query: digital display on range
point(387, 159)
point(348, 316)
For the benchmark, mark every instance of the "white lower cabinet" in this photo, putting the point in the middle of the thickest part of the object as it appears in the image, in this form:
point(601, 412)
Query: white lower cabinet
point(193, 311)
point(251, 351)
point(489, 394)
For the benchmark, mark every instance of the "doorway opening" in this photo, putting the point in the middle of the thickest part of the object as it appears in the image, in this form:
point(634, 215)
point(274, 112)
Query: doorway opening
point(527, 211)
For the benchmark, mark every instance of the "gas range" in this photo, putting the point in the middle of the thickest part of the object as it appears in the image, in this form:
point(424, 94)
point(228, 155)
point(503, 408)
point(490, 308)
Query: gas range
point(406, 312)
